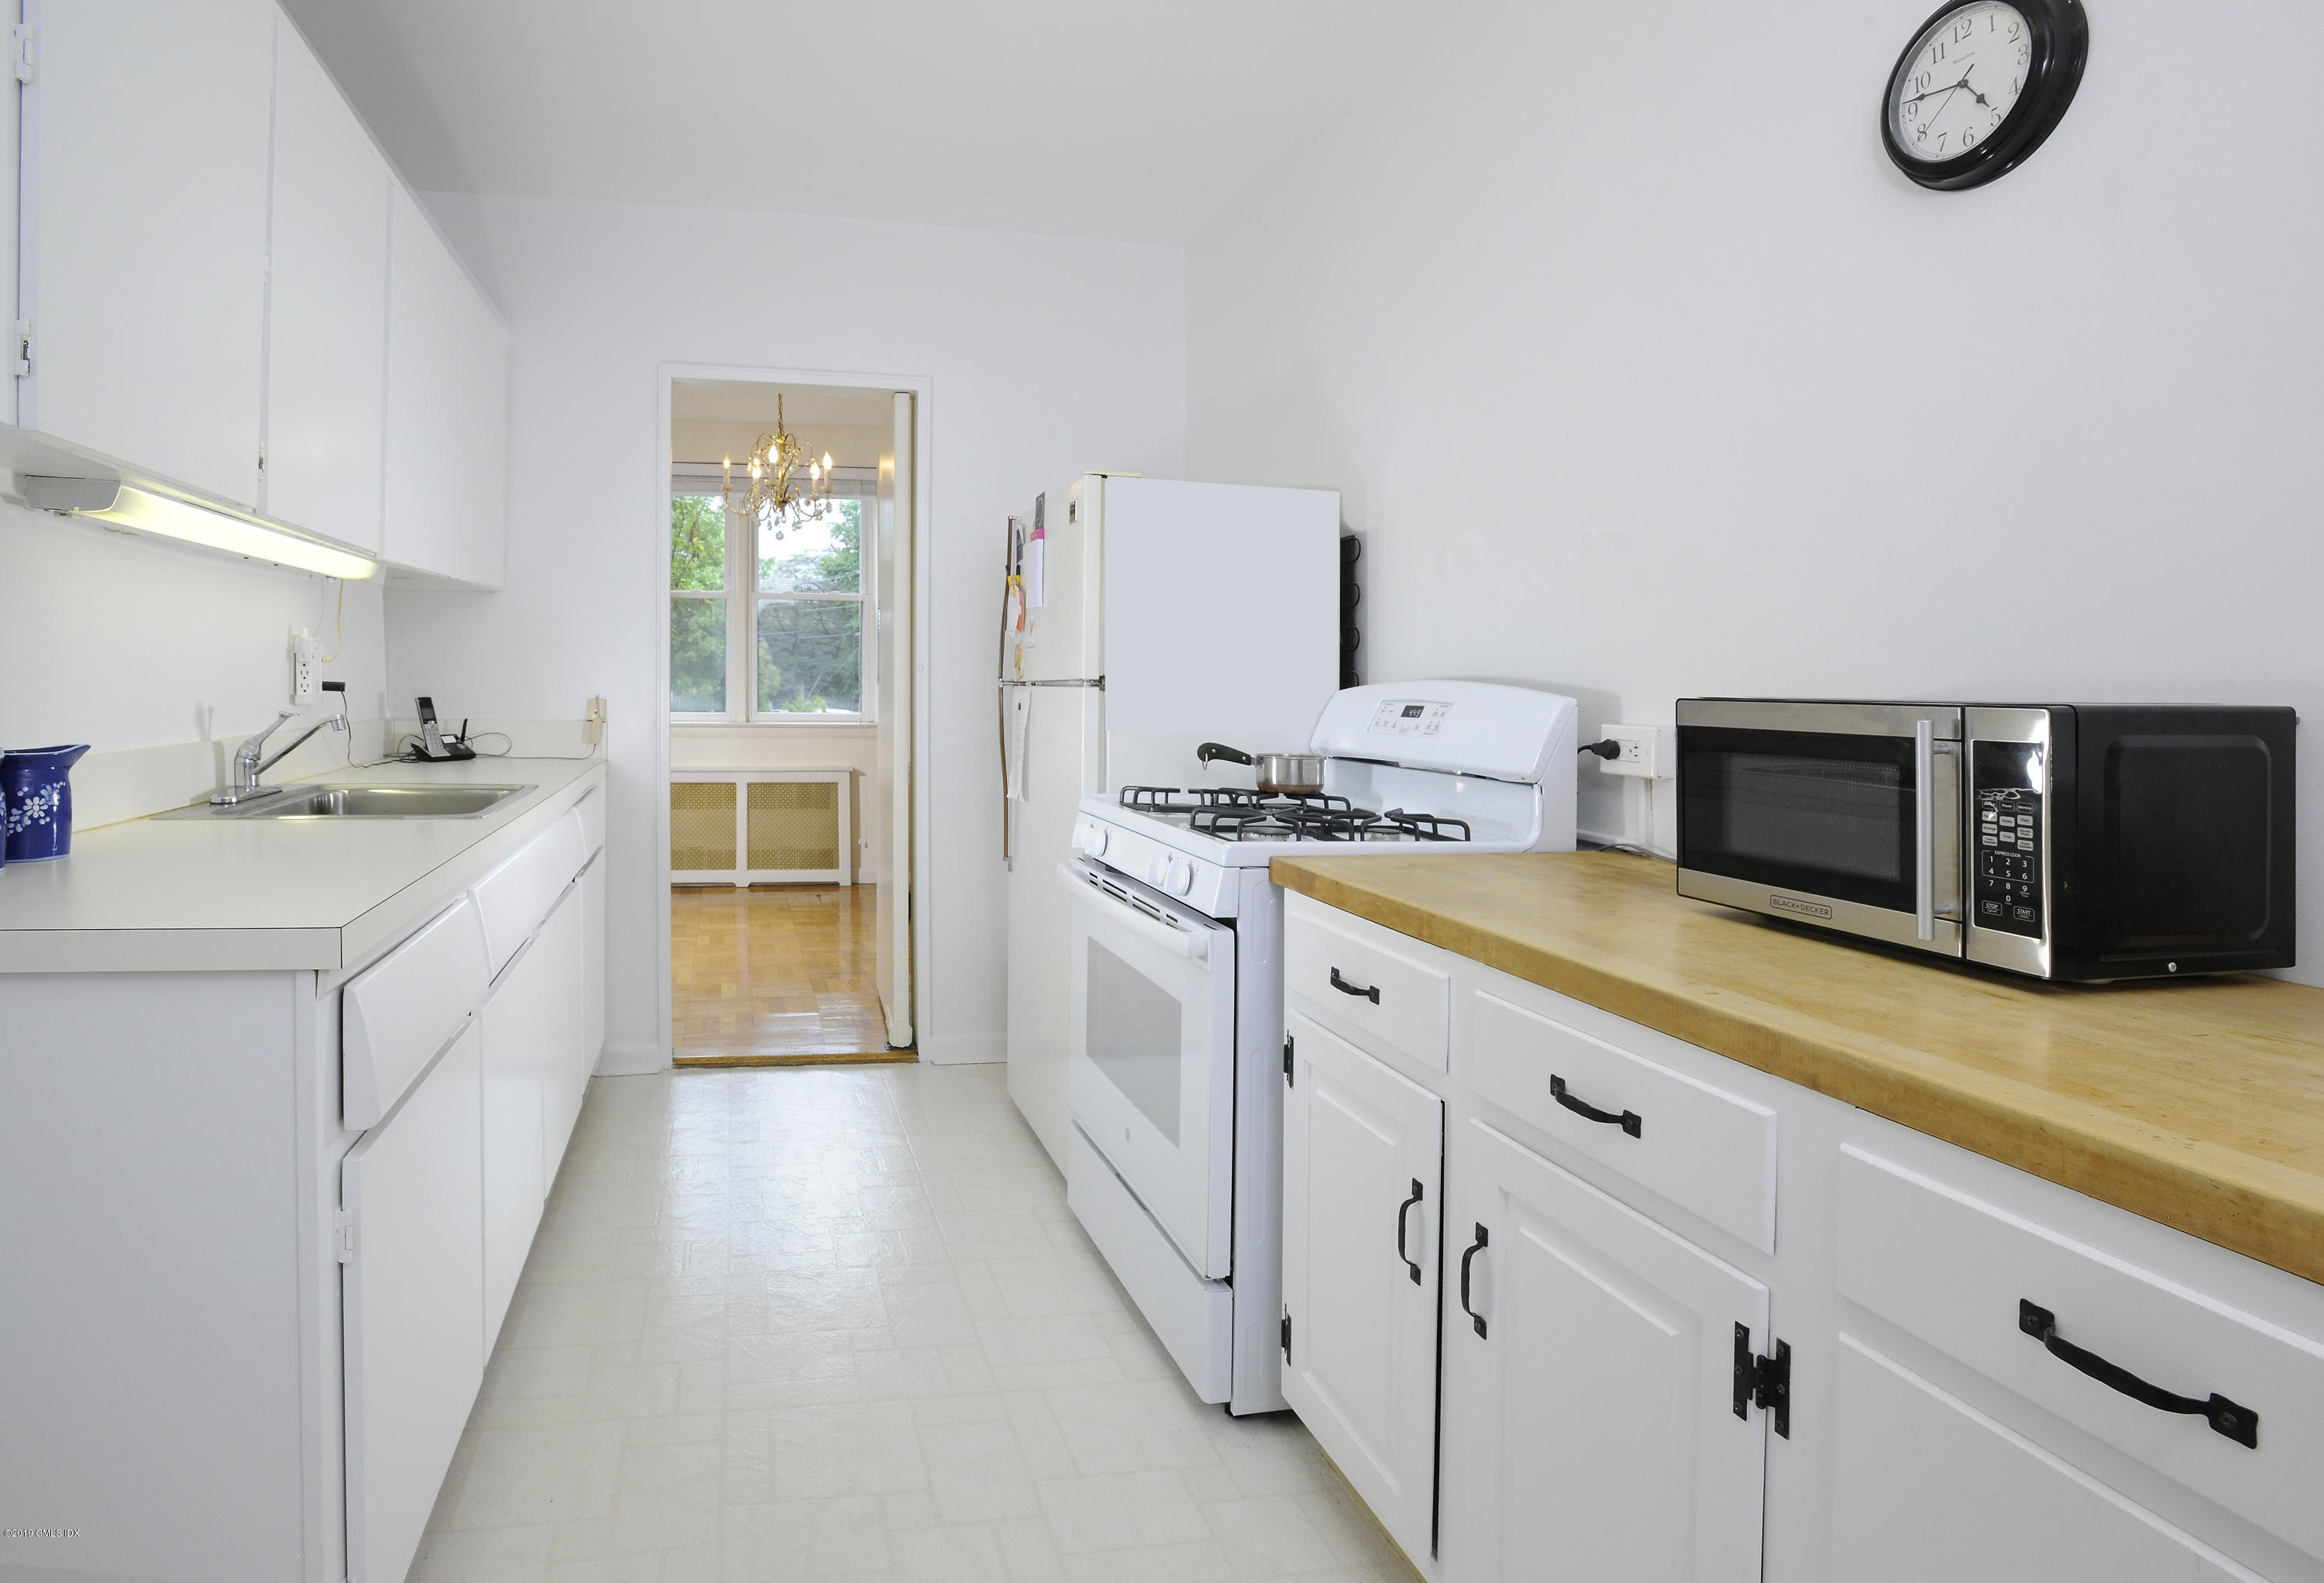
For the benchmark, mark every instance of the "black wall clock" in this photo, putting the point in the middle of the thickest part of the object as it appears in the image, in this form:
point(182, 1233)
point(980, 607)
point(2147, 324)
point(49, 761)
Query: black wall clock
point(1980, 86)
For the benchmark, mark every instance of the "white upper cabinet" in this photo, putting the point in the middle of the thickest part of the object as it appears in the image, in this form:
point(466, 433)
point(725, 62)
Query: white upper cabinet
point(144, 258)
point(425, 289)
point(326, 334)
point(480, 447)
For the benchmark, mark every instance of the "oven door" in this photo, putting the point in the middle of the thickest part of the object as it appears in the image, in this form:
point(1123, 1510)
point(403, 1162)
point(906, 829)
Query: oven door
point(1149, 1054)
point(1843, 815)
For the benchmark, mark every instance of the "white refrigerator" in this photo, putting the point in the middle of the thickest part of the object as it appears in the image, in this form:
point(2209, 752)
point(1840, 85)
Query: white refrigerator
point(1142, 617)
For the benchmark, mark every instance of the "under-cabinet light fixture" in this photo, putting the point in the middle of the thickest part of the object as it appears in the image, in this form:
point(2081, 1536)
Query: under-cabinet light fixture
point(106, 500)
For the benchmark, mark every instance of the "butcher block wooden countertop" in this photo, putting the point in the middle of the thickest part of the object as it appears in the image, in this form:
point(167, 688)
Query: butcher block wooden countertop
point(2196, 1103)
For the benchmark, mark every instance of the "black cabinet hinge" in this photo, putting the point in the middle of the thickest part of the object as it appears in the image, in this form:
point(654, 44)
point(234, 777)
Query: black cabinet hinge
point(1286, 1335)
point(1763, 1381)
point(1288, 1080)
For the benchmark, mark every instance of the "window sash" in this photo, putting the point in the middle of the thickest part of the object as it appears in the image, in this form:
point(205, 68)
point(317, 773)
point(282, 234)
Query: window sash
point(746, 597)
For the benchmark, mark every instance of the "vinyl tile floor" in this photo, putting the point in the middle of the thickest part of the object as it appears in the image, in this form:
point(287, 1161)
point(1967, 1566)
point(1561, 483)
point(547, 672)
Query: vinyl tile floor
point(837, 1322)
point(777, 972)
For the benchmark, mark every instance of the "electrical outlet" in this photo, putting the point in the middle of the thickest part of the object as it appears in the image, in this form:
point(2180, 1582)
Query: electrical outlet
point(1649, 752)
point(306, 657)
point(593, 723)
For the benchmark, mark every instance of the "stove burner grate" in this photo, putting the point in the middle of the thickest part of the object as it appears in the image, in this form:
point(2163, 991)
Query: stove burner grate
point(1238, 813)
point(1428, 826)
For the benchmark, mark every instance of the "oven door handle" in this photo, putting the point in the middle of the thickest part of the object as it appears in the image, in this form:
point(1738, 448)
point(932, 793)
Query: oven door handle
point(1925, 749)
point(1193, 944)
point(1924, 829)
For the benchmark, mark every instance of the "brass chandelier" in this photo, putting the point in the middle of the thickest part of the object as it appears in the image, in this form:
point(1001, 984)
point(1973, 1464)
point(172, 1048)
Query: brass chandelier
point(774, 496)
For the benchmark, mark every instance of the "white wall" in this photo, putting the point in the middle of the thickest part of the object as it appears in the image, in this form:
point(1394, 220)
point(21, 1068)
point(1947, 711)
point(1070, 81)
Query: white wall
point(850, 445)
point(123, 641)
point(1646, 375)
point(1048, 356)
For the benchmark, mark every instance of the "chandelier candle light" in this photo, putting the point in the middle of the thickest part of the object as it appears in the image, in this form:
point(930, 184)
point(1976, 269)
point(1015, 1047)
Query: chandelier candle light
point(774, 489)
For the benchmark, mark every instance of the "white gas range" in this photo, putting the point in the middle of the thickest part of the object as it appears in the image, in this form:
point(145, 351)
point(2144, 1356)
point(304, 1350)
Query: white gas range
point(1173, 1161)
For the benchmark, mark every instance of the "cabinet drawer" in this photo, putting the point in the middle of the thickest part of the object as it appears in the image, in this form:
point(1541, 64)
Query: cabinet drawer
point(516, 896)
point(1705, 1150)
point(1956, 1272)
point(396, 1014)
point(1367, 989)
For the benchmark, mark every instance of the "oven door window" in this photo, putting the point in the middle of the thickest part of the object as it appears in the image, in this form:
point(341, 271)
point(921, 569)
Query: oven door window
point(1824, 814)
point(1150, 1061)
point(1135, 1037)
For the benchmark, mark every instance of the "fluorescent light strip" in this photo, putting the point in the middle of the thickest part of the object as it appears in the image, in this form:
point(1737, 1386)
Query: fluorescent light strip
point(133, 507)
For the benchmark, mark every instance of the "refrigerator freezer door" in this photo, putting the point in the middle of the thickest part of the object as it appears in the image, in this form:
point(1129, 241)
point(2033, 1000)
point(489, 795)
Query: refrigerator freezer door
point(1221, 611)
point(1064, 638)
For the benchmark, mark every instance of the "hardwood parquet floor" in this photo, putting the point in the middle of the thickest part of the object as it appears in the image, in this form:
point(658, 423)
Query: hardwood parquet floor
point(775, 976)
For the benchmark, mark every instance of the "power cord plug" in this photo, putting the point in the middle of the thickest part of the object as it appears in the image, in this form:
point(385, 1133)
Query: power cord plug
point(1609, 749)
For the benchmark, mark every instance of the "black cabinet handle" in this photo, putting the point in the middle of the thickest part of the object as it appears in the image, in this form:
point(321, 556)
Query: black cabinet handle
point(1475, 1248)
point(2239, 1424)
point(1400, 1209)
point(1345, 988)
point(1629, 1120)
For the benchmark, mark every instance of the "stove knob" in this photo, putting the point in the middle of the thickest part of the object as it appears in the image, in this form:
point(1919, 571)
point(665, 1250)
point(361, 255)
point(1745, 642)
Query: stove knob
point(1094, 844)
point(1182, 878)
point(1157, 869)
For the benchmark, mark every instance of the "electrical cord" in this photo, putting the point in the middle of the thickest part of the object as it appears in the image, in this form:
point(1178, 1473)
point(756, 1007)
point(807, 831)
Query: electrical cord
point(1609, 749)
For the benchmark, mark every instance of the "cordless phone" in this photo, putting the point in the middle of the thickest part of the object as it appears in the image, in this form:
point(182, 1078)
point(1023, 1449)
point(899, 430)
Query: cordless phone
point(433, 744)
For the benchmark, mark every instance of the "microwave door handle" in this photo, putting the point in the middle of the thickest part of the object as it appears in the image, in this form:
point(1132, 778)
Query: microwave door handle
point(1924, 829)
point(1192, 944)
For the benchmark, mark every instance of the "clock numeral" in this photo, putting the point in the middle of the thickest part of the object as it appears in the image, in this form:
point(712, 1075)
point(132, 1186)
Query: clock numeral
point(1921, 83)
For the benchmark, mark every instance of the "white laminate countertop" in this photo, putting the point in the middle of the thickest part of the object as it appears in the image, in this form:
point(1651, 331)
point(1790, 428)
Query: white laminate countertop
point(252, 894)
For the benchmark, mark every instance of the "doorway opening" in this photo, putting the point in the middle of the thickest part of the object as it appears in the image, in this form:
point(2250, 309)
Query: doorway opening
point(788, 658)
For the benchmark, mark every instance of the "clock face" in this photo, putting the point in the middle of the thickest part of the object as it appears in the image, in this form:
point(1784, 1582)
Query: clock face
point(1960, 80)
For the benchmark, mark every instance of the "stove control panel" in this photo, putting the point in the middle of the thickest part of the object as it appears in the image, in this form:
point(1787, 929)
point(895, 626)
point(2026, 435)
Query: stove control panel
point(2007, 891)
point(1409, 718)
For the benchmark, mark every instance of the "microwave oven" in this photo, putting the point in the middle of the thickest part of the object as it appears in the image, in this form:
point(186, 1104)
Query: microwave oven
point(2074, 842)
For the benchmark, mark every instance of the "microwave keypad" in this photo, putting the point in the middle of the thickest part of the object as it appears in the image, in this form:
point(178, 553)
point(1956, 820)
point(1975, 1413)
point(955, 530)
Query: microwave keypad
point(2007, 892)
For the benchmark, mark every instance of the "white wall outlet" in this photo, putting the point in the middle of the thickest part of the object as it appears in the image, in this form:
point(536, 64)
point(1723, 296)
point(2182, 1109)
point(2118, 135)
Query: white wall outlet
point(305, 658)
point(593, 723)
point(1650, 752)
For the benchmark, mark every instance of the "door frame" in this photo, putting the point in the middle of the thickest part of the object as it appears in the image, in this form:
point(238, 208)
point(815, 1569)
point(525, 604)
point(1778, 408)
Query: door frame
point(919, 896)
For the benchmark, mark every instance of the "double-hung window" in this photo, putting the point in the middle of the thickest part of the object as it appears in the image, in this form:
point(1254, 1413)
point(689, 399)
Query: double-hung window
point(767, 620)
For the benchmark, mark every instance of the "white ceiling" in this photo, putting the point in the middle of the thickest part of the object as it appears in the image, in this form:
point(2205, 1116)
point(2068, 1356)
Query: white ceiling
point(1135, 120)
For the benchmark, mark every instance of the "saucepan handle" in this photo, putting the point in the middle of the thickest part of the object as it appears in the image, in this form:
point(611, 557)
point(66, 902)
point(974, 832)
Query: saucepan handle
point(1211, 750)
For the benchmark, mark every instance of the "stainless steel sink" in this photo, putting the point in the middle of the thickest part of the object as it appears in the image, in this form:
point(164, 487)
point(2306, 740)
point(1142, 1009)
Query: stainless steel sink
point(364, 802)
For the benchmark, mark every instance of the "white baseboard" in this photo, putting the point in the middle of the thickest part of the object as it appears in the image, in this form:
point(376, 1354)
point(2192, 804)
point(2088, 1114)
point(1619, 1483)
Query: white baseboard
point(630, 1061)
point(949, 1050)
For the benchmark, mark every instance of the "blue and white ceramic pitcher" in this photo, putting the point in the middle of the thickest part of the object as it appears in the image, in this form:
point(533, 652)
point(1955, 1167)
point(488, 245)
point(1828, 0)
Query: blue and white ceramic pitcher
point(36, 793)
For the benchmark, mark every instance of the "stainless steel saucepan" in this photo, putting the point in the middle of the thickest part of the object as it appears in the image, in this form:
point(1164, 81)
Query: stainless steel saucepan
point(1283, 774)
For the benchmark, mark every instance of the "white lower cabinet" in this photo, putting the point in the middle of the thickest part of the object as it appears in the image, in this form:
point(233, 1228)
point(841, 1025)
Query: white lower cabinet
point(1362, 1173)
point(563, 950)
point(1590, 1367)
point(515, 1089)
point(414, 1288)
point(1983, 1378)
point(1930, 1490)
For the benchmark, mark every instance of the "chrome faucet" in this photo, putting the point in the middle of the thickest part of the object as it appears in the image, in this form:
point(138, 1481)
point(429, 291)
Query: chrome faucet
point(248, 765)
